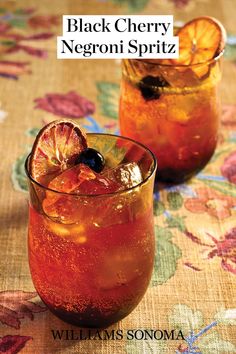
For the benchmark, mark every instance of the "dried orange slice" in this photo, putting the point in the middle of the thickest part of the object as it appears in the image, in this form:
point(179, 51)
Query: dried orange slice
point(55, 149)
point(200, 40)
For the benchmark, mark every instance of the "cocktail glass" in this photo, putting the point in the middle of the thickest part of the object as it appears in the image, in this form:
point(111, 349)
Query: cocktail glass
point(91, 259)
point(174, 110)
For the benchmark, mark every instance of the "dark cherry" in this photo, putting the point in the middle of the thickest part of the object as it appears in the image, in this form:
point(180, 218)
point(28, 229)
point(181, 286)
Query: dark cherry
point(92, 158)
point(149, 86)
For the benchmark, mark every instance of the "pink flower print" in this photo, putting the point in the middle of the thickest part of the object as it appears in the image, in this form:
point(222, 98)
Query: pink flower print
point(228, 169)
point(70, 105)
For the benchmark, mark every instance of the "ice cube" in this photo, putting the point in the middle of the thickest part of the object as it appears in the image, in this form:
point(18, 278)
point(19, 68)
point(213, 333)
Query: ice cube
point(73, 232)
point(179, 77)
point(100, 185)
point(64, 207)
point(118, 267)
point(127, 175)
point(81, 180)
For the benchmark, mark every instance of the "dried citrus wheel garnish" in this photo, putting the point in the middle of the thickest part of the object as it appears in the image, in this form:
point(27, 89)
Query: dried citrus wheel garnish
point(56, 149)
point(200, 40)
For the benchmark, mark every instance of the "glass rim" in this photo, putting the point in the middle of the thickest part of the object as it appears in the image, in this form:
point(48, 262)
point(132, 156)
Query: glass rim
point(206, 62)
point(144, 181)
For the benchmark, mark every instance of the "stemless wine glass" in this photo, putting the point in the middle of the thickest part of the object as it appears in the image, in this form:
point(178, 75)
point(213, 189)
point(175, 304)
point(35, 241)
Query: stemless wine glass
point(174, 110)
point(91, 260)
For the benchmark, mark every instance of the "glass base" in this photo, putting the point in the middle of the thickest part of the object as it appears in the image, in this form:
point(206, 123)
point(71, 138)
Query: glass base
point(178, 176)
point(91, 318)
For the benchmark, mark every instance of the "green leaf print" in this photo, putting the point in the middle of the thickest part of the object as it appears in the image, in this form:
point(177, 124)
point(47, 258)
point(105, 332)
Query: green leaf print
point(176, 222)
point(134, 5)
point(32, 132)
point(17, 22)
point(7, 43)
point(18, 175)
point(167, 255)
point(158, 207)
point(108, 97)
point(230, 52)
point(175, 200)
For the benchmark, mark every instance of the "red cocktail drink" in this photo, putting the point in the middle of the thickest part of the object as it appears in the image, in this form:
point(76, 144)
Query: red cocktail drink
point(91, 254)
point(173, 106)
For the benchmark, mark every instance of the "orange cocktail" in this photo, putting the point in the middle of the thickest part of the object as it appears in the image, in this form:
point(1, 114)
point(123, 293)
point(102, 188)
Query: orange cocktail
point(173, 106)
point(91, 237)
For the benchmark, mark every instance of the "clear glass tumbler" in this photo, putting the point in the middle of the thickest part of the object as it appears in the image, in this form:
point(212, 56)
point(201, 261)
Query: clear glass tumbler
point(174, 110)
point(91, 259)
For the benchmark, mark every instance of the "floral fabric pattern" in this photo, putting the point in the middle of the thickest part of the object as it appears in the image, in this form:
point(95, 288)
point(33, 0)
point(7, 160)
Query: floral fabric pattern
point(70, 105)
point(228, 169)
point(212, 202)
point(192, 288)
point(12, 23)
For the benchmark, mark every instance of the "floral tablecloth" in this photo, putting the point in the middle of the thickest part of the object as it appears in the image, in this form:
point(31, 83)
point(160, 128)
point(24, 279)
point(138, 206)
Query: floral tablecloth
point(193, 288)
